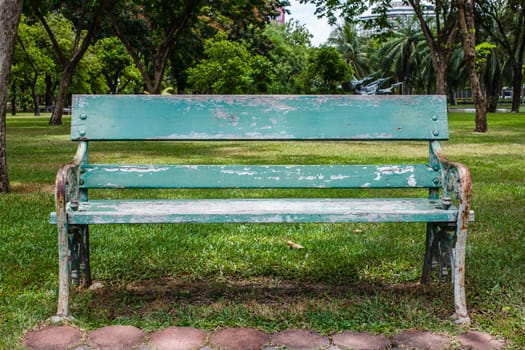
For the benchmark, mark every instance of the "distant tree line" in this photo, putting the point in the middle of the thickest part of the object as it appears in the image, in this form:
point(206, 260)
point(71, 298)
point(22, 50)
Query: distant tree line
point(66, 47)
point(63, 47)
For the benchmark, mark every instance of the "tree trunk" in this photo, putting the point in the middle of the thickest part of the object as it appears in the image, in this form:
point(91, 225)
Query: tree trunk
point(440, 70)
point(13, 100)
point(10, 12)
point(49, 91)
point(452, 97)
point(154, 76)
point(492, 103)
point(516, 88)
point(468, 33)
point(34, 94)
point(60, 103)
point(80, 48)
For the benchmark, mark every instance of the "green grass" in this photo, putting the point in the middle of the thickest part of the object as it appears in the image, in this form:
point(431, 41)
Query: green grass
point(359, 277)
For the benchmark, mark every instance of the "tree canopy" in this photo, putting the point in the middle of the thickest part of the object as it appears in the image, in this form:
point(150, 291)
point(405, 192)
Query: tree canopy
point(135, 46)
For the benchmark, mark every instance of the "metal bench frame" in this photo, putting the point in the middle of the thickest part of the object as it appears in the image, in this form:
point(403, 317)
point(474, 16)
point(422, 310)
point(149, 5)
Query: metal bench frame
point(446, 210)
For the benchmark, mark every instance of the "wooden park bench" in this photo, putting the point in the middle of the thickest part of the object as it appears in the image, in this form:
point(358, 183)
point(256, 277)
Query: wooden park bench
point(443, 203)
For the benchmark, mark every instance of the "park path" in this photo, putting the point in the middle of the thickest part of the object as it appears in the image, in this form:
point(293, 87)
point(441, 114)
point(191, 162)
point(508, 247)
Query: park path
point(123, 337)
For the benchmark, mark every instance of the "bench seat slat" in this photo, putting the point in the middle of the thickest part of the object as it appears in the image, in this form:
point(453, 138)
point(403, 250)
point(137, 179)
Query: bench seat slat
point(261, 210)
point(260, 176)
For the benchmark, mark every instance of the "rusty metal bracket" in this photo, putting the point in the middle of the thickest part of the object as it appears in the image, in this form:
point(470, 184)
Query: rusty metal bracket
point(66, 189)
point(456, 187)
point(441, 241)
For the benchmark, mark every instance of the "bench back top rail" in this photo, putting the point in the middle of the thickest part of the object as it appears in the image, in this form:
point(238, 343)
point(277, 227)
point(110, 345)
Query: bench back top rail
point(258, 117)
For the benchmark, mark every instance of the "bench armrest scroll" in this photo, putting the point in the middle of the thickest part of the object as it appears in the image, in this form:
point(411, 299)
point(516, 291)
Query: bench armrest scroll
point(67, 181)
point(456, 183)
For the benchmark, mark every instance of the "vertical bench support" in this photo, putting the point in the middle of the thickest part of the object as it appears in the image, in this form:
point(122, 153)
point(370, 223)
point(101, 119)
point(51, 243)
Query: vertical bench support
point(456, 187)
point(66, 191)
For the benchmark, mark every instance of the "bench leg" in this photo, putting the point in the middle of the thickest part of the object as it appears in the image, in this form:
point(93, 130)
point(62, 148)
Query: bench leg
point(458, 270)
point(80, 266)
point(85, 265)
point(438, 252)
point(447, 253)
point(427, 261)
point(64, 268)
point(73, 263)
point(74, 237)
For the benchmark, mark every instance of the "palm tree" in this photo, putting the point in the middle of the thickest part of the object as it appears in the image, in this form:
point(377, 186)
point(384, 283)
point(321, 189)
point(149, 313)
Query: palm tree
point(403, 54)
point(345, 38)
point(504, 22)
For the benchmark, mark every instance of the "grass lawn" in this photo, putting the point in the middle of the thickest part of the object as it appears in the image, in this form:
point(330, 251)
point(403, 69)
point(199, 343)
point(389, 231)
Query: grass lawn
point(361, 277)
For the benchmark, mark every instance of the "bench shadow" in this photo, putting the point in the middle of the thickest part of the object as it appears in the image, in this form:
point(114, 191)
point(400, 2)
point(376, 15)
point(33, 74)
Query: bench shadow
point(169, 295)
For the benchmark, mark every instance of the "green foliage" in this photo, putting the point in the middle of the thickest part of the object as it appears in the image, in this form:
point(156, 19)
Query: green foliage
point(483, 50)
point(153, 30)
point(327, 69)
point(32, 62)
point(353, 47)
point(289, 45)
point(403, 57)
point(230, 68)
point(117, 66)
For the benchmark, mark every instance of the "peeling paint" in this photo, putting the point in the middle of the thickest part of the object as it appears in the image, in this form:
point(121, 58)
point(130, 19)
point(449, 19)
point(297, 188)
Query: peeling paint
point(412, 181)
point(339, 177)
point(240, 173)
point(311, 177)
point(258, 210)
point(135, 169)
point(389, 170)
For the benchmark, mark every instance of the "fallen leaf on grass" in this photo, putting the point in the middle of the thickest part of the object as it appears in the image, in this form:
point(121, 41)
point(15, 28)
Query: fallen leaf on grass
point(294, 245)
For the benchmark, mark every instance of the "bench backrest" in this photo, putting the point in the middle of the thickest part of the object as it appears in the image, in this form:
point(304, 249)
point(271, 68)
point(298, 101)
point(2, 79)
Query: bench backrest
point(262, 117)
point(283, 117)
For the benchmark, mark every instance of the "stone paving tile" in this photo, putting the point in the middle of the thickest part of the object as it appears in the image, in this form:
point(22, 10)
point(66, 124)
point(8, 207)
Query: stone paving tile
point(188, 338)
point(116, 338)
point(144, 347)
point(479, 341)
point(299, 339)
point(52, 338)
point(421, 341)
point(239, 339)
point(178, 338)
point(361, 341)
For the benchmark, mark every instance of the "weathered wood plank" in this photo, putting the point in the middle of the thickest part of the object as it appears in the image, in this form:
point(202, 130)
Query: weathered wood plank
point(279, 117)
point(261, 211)
point(259, 176)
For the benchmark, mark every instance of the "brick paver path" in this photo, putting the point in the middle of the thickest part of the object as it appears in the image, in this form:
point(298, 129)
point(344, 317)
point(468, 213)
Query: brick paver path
point(188, 338)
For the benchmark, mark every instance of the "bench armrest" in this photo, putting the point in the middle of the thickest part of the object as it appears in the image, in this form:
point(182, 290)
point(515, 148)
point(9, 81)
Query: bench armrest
point(67, 181)
point(456, 182)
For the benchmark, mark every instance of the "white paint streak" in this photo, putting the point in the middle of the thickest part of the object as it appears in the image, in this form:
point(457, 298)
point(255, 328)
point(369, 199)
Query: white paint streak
point(151, 169)
point(412, 181)
point(311, 177)
point(240, 173)
point(389, 170)
point(191, 167)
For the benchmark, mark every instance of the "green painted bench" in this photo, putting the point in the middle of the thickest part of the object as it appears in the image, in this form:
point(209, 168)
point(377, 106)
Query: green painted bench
point(444, 204)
